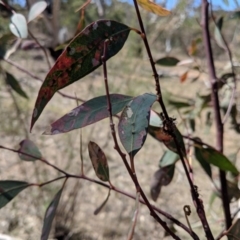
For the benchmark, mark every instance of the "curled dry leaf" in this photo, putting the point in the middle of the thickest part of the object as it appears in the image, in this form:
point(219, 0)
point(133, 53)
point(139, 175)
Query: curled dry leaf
point(99, 161)
point(184, 77)
point(153, 7)
point(162, 177)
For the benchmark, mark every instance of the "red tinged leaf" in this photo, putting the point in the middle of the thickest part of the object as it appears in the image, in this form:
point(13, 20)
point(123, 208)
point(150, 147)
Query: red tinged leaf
point(163, 136)
point(99, 161)
point(82, 56)
point(133, 125)
point(89, 112)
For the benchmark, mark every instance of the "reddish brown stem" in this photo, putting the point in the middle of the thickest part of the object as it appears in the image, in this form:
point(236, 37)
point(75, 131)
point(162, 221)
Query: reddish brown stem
point(67, 175)
point(198, 203)
point(216, 107)
point(123, 156)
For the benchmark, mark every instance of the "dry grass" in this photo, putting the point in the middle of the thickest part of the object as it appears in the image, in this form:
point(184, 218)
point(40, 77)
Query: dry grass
point(23, 216)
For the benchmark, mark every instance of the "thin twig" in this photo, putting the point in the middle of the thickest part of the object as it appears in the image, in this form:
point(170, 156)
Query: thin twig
point(67, 175)
point(43, 49)
point(37, 158)
point(39, 79)
point(216, 107)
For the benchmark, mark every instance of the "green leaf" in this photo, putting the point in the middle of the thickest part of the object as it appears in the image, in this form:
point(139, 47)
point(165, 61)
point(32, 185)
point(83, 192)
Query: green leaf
point(201, 159)
point(5, 42)
point(192, 124)
point(234, 15)
point(98, 210)
point(89, 112)
point(9, 189)
point(225, 76)
point(233, 190)
point(27, 146)
point(133, 124)
point(13, 83)
point(226, 2)
point(81, 57)
point(155, 119)
point(217, 33)
point(18, 25)
point(99, 161)
point(168, 158)
point(234, 232)
point(168, 61)
point(49, 215)
point(215, 158)
point(201, 103)
point(179, 104)
point(36, 9)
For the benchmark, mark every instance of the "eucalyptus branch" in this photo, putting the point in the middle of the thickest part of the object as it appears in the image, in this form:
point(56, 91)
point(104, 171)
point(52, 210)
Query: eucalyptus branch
point(216, 107)
point(170, 125)
point(123, 156)
point(68, 175)
point(32, 156)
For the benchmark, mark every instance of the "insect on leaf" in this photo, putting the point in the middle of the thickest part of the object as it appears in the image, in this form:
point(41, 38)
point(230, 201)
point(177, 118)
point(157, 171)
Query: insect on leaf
point(81, 57)
point(10, 189)
point(14, 84)
point(27, 146)
point(49, 215)
point(153, 7)
point(89, 112)
point(99, 161)
point(133, 124)
point(36, 9)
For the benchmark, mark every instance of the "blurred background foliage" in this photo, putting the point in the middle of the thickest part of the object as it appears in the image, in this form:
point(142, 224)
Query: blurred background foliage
point(175, 32)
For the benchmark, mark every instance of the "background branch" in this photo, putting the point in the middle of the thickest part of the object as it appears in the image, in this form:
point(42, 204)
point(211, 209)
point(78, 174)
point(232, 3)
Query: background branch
point(216, 107)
